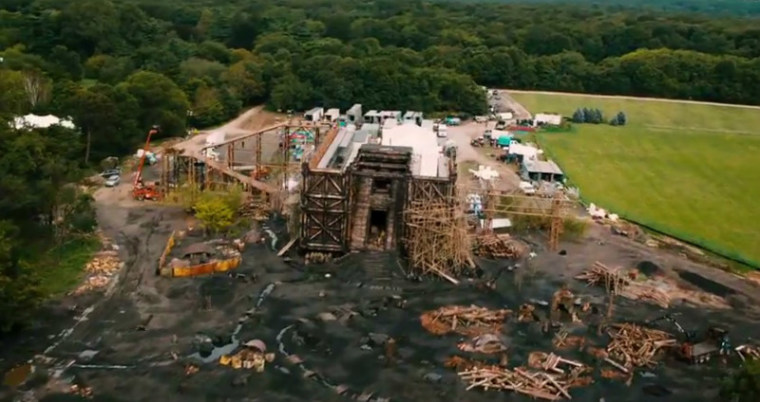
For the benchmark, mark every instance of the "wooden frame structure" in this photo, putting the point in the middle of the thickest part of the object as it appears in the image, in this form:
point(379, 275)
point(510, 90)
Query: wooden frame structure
point(188, 164)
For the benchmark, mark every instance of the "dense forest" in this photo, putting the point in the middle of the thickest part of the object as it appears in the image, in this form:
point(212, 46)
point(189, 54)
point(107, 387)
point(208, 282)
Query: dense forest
point(713, 7)
point(117, 68)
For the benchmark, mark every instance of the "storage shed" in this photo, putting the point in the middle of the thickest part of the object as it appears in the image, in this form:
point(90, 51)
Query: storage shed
point(535, 170)
point(315, 114)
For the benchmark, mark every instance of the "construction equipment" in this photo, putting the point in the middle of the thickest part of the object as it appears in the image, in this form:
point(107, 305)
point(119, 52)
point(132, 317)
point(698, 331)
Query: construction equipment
point(140, 190)
point(714, 342)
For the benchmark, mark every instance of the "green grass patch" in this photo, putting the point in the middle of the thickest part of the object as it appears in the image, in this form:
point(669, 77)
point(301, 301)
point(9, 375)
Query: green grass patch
point(684, 169)
point(61, 268)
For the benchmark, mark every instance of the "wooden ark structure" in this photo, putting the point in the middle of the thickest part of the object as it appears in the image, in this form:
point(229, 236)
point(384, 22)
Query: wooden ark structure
point(368, 204)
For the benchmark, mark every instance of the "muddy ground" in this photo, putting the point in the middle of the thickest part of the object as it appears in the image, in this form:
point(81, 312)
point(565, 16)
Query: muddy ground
point(281, 302)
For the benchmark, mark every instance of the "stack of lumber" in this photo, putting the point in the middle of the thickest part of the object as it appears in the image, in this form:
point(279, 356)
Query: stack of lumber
point(748, 351)
point(619, 283)
point(550, 362)
point(634, 346)
point(498, 246)
point(99, 271)
point(471, 321)
point(536, 384)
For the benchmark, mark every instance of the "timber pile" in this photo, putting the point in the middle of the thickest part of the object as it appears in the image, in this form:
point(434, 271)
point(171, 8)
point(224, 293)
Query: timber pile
point(550, 362)
point(536, 384)
point(620, 284)
point(499, 246)
point(634, 346)
point(99, 270)
point(751, 352)
point(471, 321)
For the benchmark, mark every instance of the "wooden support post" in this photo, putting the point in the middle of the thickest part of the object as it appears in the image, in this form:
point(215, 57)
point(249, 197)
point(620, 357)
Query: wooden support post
point(257, 156)
point(556, 223)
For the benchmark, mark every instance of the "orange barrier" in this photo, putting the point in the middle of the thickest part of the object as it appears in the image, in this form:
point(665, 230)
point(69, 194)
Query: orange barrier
point(207, 268)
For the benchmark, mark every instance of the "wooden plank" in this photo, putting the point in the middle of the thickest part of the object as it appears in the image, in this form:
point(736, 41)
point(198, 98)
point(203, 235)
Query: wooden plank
point(287, 247)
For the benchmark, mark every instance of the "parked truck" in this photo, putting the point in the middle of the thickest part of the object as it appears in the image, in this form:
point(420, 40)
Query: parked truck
point(697, 349)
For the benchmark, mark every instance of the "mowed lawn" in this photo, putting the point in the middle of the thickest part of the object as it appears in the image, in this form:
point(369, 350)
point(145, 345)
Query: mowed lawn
point(692, 171)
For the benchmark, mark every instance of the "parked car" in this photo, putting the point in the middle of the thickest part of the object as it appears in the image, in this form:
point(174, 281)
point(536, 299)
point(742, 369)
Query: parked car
point(527, 188)
point(111, 172)
point(113, 181)
point(501, 125)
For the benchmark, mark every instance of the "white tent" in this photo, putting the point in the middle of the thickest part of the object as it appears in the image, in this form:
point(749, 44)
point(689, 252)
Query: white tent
point(35, 121)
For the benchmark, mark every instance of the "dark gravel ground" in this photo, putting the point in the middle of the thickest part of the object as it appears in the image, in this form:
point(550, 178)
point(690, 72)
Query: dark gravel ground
point(286, 306)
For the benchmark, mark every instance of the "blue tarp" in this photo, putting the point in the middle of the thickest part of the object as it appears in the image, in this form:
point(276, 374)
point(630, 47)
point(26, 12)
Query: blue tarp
point(504, 141)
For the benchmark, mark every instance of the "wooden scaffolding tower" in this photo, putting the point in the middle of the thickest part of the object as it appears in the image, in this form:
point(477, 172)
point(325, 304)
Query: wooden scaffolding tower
point(437, 239)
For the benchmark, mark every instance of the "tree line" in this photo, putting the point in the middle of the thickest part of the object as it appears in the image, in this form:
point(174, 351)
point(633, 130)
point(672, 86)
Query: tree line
point(118, 68)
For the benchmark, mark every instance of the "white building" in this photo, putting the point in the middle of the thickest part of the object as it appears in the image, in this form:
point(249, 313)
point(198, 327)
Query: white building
point(314, 114)
point(547, 119)
point(332, 115)
point(428, 159)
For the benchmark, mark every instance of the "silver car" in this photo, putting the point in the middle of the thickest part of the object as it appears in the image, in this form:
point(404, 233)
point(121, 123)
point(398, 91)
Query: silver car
point(113, 181)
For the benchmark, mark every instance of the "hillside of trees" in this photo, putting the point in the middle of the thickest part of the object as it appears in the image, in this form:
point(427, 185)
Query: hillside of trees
point(119, 67)
point(713, 7)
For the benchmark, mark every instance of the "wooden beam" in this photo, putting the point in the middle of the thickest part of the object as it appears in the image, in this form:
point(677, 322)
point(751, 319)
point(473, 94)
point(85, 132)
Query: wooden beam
point(321, 150)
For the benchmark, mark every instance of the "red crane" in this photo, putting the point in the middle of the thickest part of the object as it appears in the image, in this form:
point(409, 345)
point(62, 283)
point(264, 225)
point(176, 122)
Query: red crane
point(141, 191)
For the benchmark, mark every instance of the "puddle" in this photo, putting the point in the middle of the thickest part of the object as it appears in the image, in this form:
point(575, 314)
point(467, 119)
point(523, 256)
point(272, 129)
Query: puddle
point(18, 375)
point(227, 349)
point(648, 268)
point(705, 284)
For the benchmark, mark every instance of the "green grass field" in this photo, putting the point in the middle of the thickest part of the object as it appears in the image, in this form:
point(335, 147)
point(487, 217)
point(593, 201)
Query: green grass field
point(688, 170)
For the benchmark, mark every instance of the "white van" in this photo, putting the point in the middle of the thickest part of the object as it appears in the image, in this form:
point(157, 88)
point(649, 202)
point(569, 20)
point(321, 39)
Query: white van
point(442, 131)
point(527, 188)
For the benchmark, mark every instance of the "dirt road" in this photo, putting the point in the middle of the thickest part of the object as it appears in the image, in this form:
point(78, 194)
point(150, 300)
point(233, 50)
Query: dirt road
point(632, 98)
point(462, 135)
point(506, 102)
point(249, 121)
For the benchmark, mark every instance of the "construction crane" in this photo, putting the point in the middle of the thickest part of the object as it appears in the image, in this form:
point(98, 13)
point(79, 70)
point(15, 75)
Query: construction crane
point(141, 191)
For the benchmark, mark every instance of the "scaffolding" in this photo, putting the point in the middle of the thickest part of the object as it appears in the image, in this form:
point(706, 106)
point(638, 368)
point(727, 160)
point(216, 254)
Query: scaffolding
point(437, 239)
point(190, 167)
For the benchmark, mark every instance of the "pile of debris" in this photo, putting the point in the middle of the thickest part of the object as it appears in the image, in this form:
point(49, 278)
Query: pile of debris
point(486, 343)
point(621, 283)
point(563, 340)
point(499, 246)
point(634, 346)
point(471, 321)
point(549, 362)
point(103, 266)
point(252, 357)
point(540, 384)
point(527, 313)
point(745, 352)
point(81, 391)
